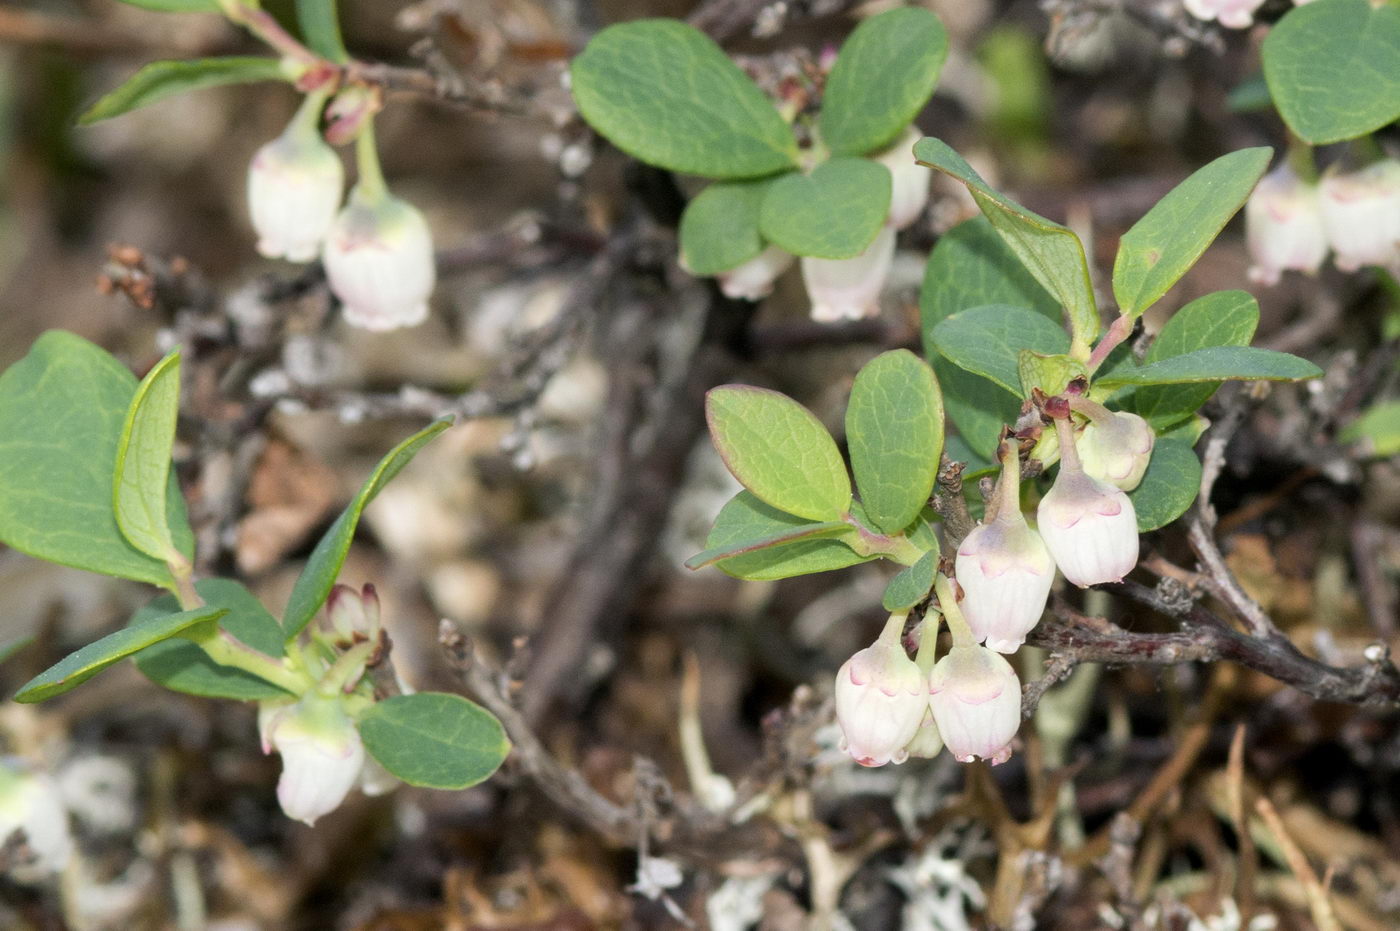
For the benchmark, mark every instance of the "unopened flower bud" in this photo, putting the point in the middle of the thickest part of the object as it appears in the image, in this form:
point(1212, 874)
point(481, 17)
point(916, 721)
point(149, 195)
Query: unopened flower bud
point(849, 289)
point(322, 756)
point(1233, 14)
point(353, 616)
point(975, 697)
point(1283, 226)
point(1361, 214)
point(909, 181)
point(880, 698)
point(30, 803)
point(351, 109)
point(753, 280)
point(295, 184)
point(1004, 570)
point(927, 742)
point(1116, 449)
point(379, 260)
point(1089, 526)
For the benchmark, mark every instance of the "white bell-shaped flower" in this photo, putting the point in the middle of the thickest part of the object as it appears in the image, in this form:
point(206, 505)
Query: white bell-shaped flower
point(379, 260)
point(322, 755)
point(753, 280)
point(30, 803)
point(1283, 226)
point(1116, 447)
point(909, 181)
point(1234, 14)
point(880, 699)
point(849, 289)
point(1004, 568)
point(1361, 214)
point(975, 697)
point(295, 184)
point(353, 616)
point(1089, 526)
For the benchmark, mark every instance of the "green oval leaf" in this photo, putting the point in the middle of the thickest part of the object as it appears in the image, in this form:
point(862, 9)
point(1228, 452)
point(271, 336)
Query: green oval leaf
point(803, 531)
point(665, 93)
point(1049, 373)
point(1378, 429)
point(182, 666)
point(988, 341)
point(1224, 318)
point(894, 431)
point(1218, 363)
point(76, 668)
point(61, 413)
point(434, 739)
point(1160, 247)
point(316, 580)
point(779, 450)
point(320, 26)
point(1333, 68)
point(719, 228)
point(971, 266)
point(142, 471)
point(745, 518)
point(832, 213)
point(1171, 483)
point(1049, 251)
point(912, 584)
point(882, 78)
point(161, 79)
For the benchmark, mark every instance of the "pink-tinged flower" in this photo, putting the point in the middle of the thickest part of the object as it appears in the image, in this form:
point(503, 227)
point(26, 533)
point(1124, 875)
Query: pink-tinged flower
point(379, 261)
point(1089, 526)
point(322, 755)
point(1361, 214)
point(849, 289)
point(880, 699)
point(753, 280)
point(909, 181)
point(1003, 567)
point(1283, 227)
point(1116, 449)
point(30, 803)
point(1235, 14)
point(295, 184)
point(975, 697)
point(353, 616)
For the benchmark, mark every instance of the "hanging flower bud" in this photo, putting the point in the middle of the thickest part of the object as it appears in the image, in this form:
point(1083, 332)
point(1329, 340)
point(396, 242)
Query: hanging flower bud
point(322, 756)
point(1089, 526)
point(1115, 446)
point(1004, 568)
point(1361, 214)
point(880, 698)
point(927, 742)
point(909, 181)
point(295, 183)
point(353, 616)
point(1283, 226)
point(1233, 14)
point(30, 803)
point(849, 289)
point(379, 260)
point(753, 280)
point(975, 697)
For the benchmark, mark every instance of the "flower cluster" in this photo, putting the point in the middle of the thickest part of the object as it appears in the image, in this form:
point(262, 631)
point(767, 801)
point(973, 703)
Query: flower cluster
point(845, 289)
point(891, 707)
point(377, 249)
point(1291, 223)
point(323, 757)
